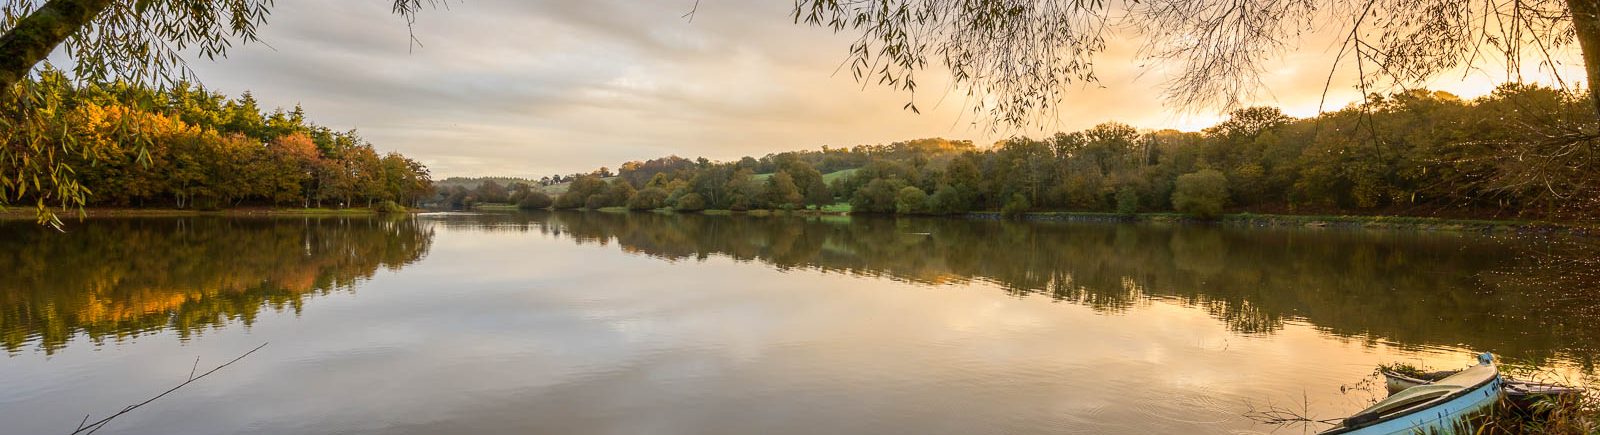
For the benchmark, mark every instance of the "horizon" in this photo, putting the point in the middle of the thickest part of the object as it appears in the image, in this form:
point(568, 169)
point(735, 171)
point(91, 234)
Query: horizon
point(623, 83)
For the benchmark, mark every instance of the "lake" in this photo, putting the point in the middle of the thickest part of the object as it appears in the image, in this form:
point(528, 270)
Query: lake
point(603, 323)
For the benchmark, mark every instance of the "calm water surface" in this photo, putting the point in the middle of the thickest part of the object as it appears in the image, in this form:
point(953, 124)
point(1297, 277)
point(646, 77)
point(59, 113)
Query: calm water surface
point(594, 323)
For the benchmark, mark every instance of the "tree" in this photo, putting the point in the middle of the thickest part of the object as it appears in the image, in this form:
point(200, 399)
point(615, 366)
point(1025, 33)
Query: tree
point(1201, 194)
point(460, 198)
point(535, 200)
point(781, 191)
point(1127, 200)
point(1220, 51)
point(650, 198)
point(579, 191)
point(492, 192)
point(1016, 206)
point(619, 193)
point(691, 202)
point(139, 41)
point(818, 194)
point(878, 196)
point(136, 42)
point(947, 200)
point(744, 192)
point(910, 200)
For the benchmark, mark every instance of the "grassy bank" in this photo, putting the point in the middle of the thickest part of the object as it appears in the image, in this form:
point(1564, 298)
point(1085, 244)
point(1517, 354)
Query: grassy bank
point(496, 207)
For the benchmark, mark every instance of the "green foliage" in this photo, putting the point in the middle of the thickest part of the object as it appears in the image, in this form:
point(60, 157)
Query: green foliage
point(910, 200)
point(1201, 194)
point(618, 193)
point(691, 202)
point(650, 198)
point(1127, 200)
point(535, 200)
point(878, 196)
point(1016, 207)
point(947, 200)
point(389, 207)
point(579, 192)
point(1410, 152)
point(781, 191)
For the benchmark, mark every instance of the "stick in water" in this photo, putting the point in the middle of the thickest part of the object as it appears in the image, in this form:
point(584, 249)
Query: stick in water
point(97, 425)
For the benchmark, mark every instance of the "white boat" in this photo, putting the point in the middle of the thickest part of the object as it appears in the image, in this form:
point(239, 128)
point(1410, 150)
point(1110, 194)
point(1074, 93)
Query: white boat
point(1522, 394)
point(1440, 407)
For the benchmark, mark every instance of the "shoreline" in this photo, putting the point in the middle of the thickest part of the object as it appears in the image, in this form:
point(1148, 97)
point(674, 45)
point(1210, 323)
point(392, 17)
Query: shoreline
point(27, 213)
point(1252, 220)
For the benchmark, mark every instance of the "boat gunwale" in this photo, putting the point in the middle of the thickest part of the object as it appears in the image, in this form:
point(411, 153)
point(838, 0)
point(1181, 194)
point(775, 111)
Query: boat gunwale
point(1398, 375)
point(1342, 429)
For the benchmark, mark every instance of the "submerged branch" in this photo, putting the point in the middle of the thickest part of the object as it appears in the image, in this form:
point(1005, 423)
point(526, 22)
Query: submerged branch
point(99, 424)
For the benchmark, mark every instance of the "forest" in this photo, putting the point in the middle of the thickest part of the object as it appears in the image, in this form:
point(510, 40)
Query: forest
point(183, 146)
point(1505, 155)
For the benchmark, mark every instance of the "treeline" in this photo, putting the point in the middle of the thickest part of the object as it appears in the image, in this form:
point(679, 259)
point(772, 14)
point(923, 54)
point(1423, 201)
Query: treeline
point(1517, 152)
point(187, 147)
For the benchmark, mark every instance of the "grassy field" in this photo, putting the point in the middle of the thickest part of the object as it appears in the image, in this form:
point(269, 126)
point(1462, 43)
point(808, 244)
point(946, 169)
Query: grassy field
point(829, 177)
point(557, 189)
point(840, 207)
point(826, 178)
point(560, 188)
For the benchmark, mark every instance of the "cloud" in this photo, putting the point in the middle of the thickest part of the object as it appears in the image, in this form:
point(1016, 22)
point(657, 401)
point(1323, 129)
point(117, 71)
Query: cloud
point(531, 88)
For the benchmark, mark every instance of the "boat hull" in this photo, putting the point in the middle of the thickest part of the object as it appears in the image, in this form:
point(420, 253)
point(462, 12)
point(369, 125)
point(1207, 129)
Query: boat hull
point(1443, 418)
point(1523, 395)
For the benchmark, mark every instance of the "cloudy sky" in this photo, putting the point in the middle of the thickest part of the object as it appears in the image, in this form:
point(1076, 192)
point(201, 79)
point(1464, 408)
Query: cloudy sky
point(532, 88)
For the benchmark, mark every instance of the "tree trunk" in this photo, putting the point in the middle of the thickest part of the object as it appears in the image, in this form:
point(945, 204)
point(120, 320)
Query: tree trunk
point(1586, 23)
point(36, 35)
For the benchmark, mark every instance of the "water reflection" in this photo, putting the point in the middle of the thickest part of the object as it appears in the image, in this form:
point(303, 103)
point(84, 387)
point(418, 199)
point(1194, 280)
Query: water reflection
point(1408, 289)
point(116, 278)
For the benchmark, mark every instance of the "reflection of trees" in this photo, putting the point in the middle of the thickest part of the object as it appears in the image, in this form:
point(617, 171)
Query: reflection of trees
point(123, 277)
point(1416, 289)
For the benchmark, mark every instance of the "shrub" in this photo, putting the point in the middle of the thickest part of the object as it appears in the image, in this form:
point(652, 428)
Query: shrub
point(650, 198)
point(570, 200)
point(595, 202)
point(1127, 200)
point(1201, 194)
point(535, 200)
point(877, 196)
point(947, 200)
point(739, 203)
point(691, 202)
point(389, 207)
point(1016, 206)
point(910, 200)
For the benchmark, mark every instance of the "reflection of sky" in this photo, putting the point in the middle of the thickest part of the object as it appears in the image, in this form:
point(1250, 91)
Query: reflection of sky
point(524, 332)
